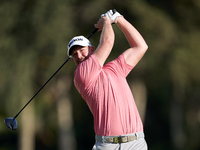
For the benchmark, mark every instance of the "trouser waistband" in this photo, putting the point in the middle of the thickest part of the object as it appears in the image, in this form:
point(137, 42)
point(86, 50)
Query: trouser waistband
point(119, 139)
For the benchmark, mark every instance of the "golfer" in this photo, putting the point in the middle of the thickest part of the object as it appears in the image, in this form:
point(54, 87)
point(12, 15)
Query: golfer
point(104, 88)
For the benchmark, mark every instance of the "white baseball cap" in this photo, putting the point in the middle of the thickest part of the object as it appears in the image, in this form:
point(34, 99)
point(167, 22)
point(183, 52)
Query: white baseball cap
point(78, 40)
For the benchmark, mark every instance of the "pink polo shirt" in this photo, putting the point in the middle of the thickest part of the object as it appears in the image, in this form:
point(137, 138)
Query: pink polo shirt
point(108, 96)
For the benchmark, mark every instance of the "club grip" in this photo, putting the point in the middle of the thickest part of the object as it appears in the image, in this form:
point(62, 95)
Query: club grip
point(114, 11)
point(96, 29)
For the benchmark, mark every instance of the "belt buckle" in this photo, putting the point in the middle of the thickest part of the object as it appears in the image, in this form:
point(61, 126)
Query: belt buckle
point(116, 140)
point(120, 139)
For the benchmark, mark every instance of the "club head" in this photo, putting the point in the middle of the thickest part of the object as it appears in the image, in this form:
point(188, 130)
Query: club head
point(11, 123)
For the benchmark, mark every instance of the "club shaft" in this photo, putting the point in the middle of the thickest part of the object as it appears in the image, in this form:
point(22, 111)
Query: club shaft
point(42, 86)
point(91, 34)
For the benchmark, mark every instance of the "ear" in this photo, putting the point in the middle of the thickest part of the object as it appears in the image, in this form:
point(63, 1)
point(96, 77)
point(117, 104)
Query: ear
point(92, 48)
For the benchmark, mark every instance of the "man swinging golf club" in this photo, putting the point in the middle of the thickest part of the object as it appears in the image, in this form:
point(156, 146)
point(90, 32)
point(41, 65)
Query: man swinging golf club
point(117, 123)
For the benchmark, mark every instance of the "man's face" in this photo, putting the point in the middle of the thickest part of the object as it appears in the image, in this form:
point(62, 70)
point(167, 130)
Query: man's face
point(81, 53)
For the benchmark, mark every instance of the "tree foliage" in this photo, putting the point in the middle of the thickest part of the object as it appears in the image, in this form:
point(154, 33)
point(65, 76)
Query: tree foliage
point(33, 42)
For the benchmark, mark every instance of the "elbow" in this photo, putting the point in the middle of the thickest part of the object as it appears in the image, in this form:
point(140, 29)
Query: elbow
point(144, 47)
point(141, 46)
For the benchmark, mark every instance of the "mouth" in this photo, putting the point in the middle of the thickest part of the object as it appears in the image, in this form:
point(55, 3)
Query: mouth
point(81, 60)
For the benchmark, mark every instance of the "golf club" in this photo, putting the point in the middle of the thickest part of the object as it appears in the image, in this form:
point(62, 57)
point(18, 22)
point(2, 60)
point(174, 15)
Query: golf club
point(11, 123)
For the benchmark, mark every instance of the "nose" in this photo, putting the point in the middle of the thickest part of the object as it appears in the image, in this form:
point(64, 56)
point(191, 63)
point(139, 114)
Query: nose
point(79, 55)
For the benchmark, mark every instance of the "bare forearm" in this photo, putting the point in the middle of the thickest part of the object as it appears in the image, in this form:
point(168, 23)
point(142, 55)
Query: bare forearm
point(133, 36)
point(106, 41)
point(107, 37)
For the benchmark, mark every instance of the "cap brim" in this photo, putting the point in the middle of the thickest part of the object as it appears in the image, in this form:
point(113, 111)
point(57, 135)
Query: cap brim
point(71, 49)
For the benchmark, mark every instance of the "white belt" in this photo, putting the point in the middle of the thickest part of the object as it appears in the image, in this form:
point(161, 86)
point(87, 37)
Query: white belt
point(119, 139)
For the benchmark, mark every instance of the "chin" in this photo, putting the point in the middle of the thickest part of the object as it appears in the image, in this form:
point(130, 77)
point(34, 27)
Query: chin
point(79, 63)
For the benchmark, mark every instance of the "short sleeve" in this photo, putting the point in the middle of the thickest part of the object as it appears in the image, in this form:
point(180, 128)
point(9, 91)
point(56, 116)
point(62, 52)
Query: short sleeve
point(86, 73)
point(119, 66)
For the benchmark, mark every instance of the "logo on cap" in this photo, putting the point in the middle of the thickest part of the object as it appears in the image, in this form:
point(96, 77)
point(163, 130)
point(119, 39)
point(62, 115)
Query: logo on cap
point(78, 39)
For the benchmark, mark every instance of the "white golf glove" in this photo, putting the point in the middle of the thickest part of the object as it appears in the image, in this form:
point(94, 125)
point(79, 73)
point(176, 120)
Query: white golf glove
point(113, 15)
